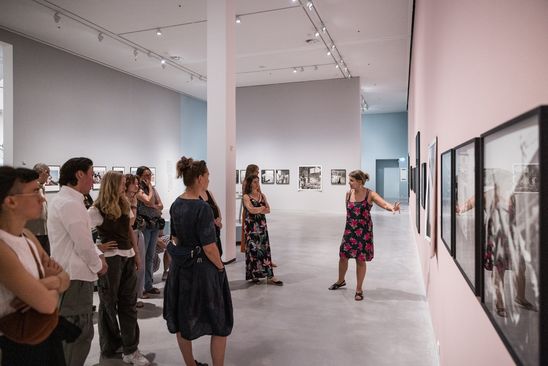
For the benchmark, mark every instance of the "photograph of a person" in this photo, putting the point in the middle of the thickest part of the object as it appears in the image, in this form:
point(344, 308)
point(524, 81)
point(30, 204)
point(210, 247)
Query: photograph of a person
point(267, 176)
point(338, 176)
point(98, 174)
point(282, 176)
point(310, 178)
point(52, 183)
point(512, 235)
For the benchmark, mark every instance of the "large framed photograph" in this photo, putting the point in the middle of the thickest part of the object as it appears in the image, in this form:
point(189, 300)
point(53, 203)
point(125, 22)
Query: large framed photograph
point(310, 178)
point(431, 196)
point(282, 176)
point(267, 176)
point(466, 211)
point(417, 181)
point(447, 200)
point(98, 174)
point(52, 184)
point(338, 176)
point(119, 169)
point(514, 234)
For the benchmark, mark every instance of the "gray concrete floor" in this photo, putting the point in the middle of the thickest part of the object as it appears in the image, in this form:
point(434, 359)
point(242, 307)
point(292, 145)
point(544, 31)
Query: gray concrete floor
point(302, 323)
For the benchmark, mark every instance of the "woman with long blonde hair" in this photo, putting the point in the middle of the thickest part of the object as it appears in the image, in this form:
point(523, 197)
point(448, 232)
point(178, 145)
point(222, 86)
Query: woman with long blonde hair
point(111, 215)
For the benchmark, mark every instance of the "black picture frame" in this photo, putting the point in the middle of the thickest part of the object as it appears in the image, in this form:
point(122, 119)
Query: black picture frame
point(409, 175)
point(417, 181)
point(447, 214)
point(237, 176)
point(466, 188)
point(52, 183)
point(119, 169)
point(98, 174)
point(282, 176)
point(423, 185)
point(514, 270)
point(338, 177)
point(267, 176)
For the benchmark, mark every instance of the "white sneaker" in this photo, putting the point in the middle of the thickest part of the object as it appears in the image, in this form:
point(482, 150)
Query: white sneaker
point(136, 358)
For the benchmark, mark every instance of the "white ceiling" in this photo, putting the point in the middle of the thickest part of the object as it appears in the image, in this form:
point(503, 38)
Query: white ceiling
point(372, 36)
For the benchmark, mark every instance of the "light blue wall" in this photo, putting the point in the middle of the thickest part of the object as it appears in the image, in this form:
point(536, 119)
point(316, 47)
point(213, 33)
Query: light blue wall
point(384, 136)
point(193, 128)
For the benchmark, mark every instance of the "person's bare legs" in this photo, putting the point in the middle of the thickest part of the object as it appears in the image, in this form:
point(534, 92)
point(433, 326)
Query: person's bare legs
point(186, 350)
point(360, 274)
point(343, 267)
point(218, 346)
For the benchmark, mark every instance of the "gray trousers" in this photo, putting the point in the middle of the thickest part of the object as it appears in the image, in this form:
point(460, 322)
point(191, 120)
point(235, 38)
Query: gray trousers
point(77, 307)
point(117, 312)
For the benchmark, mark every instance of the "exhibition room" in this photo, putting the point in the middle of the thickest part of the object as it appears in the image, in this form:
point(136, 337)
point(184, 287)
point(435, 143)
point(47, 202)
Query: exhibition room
point(328, 128)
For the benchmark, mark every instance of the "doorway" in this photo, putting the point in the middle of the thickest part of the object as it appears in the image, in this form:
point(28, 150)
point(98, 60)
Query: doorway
point(388, 178)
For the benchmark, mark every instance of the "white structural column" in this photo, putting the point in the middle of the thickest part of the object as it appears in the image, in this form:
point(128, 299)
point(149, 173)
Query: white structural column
point(221, 115)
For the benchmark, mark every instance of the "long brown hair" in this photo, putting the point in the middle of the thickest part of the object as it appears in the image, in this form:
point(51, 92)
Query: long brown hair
point(248, 181)
point(110, 201)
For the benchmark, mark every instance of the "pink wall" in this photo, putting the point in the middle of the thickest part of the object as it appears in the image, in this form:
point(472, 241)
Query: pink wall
point(476, 64)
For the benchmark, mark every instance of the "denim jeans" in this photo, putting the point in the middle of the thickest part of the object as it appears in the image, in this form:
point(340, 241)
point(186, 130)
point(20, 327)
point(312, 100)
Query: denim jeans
point(151, 236)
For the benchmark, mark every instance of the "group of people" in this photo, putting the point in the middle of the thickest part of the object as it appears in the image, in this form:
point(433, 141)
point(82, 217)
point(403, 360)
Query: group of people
point(127, 218)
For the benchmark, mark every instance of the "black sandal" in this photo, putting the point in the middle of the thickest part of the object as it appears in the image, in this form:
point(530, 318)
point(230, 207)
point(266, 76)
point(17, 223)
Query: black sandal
point(276, 282)
point(200, 363)
point(337, 285)
point(358, 296)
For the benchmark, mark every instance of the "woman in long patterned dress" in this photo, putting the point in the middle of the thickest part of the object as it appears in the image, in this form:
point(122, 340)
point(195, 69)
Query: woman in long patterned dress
point(357, 241)
point(258, 262)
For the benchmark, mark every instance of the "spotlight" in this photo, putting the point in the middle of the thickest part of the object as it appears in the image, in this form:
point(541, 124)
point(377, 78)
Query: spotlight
point(238, 20)
point(163, 62)
point(324, 29)
point(309, 5)
point(294, 70)
point(328, 53)
point(56, 17)
point(346, 69)
point(100, 36)
point(317, 34)
point(337, 66)
point(332, 46)
point(158, 32)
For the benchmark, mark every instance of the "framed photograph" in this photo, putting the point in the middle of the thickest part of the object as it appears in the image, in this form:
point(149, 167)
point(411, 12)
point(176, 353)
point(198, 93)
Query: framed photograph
point(242, 176)
point(52, 184)
point(408, 177)
point(431, 196)
point(153, 176)
point(133, 170)
point(98, 173)
point(447, 200)
point(467, 214)
point(267, 176)
point(417, 181)
point(120, 169)
point(237, 176)
point(310, 178)
point(282, 176)
point(338, 177)
point(423, 185)
point(514, 234)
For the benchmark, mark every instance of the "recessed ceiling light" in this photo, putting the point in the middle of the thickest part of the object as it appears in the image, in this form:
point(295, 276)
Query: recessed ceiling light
point(317, 34)
point(158, 32)
point(238, 20)
point(294, 70)
point(328, 53)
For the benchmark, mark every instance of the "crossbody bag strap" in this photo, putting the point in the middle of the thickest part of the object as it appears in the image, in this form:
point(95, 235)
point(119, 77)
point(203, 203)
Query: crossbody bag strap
point(40, 272)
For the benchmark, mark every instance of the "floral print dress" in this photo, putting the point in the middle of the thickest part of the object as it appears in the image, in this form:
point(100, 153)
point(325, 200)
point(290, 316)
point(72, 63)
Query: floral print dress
point(357, 241)
point(258, 262)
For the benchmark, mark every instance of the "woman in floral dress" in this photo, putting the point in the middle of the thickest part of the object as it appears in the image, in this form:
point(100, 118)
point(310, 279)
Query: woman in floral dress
point(357, 241)
point(258, 262)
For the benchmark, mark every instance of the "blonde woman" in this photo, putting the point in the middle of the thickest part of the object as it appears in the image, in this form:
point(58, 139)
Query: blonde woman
point(357, 240)
point(22, 263)
point(111, 214)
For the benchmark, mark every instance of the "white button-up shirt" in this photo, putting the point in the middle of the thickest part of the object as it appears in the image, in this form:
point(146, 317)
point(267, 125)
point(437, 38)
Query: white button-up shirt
point(69, 231)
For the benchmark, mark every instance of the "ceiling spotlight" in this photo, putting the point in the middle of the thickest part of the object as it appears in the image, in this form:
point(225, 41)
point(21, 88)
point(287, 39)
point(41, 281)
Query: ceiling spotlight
point(324, 29)
point(317, 34)
point(238, 20)
point(328, 53)
point(163, 62)
point(294, 70)
point(100, 36)
point(332, 46)
point(158, 32)
point(56, 17)
point(294, 1)
point(337, 66)
point(346, 69)
point(135, 52)
point(302, 69)
point(309, 5)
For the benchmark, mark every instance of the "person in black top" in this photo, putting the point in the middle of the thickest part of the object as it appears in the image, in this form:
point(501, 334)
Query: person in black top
point(197, 298)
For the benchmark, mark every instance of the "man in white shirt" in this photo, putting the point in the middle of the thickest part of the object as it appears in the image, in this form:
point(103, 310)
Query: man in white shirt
point(72, 246)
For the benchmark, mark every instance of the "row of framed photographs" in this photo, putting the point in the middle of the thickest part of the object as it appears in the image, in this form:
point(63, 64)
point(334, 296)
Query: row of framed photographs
point(493, 204)
point(310, 177)
point(52, 184)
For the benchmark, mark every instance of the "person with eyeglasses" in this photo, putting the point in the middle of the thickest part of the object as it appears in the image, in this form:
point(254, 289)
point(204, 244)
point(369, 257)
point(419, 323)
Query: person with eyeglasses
point(29, 278)
point(39, 226)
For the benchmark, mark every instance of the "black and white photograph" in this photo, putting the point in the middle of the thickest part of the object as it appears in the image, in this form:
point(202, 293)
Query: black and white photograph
point(512, 233)
point(120, 169)
point(431, 201)
point(267, 176)
point(417, 184)
point(465, 211)
point(98, 174)
point(338, 176)
point(133, 170)
point(526, 178)
point(282, 176)
point(52, 183)
point(237, 176)
point(446, 205)
point(242, 176)
point(310, 178)
point(153, 176)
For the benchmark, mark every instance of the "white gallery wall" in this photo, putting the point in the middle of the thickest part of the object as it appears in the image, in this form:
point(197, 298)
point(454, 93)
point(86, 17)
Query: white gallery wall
point(66, 106)
point(284, 126)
